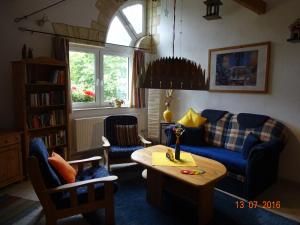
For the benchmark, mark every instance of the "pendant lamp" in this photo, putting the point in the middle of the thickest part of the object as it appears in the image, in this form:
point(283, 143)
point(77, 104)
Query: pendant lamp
point(174, 72)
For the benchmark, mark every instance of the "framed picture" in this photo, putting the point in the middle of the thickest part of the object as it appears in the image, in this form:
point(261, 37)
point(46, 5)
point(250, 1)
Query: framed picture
point(239, 69)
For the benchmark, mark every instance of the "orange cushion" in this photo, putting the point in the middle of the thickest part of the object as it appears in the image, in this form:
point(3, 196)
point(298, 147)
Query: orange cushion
point(65, 170)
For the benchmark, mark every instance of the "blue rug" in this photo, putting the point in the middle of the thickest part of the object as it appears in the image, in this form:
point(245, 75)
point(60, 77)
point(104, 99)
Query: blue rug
point(132, 209)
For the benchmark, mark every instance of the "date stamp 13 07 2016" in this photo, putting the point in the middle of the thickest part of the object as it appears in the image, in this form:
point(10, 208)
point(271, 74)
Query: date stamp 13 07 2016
point(255, 204)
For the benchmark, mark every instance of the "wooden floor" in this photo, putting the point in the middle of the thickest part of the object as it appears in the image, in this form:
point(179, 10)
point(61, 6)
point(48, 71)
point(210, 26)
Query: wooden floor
point(285, 191)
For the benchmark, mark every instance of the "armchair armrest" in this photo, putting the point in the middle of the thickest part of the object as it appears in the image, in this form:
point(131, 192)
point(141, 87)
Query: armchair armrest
point(90, 184)
point(106, 143)
point(69, 187)
point(145, 142)
point(88, 160)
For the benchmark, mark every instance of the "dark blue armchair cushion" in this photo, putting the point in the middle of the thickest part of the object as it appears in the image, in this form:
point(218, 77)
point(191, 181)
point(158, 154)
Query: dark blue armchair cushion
point(39, 150)
point(82, 192)
point(122, 152)
point(250, 141)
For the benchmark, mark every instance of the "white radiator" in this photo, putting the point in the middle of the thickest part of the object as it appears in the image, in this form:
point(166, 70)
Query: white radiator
point(88, 133)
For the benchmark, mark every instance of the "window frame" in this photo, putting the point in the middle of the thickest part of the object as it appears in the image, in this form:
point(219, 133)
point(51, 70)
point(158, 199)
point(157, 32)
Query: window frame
point(99, 76)
point(115, 51)
point(94, 50)
point(127, 25)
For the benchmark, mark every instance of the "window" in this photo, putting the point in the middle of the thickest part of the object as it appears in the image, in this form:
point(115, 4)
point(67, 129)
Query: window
point(115, 77)
point(128, 25)
point(114, 37)
point(99, 76)
point(84, 72)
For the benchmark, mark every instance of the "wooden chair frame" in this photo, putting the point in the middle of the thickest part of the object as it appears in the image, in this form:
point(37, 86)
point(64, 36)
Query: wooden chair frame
point(106, 148)
point(44, 194)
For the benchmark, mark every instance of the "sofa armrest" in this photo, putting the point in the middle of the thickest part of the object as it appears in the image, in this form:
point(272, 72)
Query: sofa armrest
point(262, 167)
point(259, 151)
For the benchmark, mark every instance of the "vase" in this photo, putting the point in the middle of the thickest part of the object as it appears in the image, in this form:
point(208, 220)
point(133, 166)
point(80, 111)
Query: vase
point(177, 148)
point(167, 115)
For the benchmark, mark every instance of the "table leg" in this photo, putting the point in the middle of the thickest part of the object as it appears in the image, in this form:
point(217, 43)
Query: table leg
point(154, 187)
point(205, 204)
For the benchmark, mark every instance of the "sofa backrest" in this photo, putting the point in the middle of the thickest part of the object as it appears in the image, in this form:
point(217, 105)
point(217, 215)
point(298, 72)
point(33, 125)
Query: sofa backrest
point(242, 124)
point(227, 130)
point(216, 126)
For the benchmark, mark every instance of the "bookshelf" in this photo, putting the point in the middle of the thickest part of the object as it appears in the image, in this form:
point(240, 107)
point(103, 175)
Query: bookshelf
point(41, 95)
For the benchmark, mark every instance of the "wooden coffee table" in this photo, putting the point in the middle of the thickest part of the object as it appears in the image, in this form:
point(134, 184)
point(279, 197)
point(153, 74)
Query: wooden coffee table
point(196, 188)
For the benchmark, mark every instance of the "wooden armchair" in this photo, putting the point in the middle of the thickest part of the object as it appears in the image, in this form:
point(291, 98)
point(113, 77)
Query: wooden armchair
point(114, 153)
point(64, 200)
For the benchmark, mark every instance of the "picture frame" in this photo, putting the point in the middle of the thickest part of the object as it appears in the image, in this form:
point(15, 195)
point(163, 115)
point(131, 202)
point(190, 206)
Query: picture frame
point(240, 69)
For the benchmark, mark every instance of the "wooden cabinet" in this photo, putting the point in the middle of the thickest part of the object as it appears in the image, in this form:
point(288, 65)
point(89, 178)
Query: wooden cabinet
point(41, 96)
point(10, 158)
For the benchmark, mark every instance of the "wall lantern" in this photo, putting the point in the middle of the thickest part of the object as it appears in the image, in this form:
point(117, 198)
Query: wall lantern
point(212, 9)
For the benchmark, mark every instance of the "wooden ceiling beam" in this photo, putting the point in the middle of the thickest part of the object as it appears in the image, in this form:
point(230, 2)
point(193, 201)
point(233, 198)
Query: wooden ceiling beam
point(258, 6)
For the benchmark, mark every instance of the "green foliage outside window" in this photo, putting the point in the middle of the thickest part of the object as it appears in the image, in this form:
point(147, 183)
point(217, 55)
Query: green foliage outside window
point(115, 77)
point(83, 75)
point(82, 70)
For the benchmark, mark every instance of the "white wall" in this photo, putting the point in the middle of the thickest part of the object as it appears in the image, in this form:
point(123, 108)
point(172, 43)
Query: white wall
point(241, 26)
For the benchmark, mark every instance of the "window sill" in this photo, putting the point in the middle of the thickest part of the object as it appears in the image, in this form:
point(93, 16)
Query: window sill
point(99, 108)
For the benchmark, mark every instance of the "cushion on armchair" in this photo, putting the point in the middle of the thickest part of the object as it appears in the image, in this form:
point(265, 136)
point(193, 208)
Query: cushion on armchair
point(123, 151)
point(65, 170)
point(82, 192)
point(127, 135)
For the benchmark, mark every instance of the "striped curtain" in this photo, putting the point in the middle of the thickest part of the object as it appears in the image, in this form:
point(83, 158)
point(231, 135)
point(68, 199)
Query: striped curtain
point(137, 99)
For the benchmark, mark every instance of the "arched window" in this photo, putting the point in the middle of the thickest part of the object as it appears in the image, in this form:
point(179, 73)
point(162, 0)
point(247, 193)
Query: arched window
point(98, 76)
point(128, 25)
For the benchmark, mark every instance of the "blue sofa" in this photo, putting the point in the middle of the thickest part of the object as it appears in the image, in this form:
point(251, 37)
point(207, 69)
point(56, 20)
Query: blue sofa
point(248, 145)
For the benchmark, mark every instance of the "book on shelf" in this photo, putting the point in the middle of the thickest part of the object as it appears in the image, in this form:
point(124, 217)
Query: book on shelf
point(53, 76)
point(57, 77)
point(45, 120)
point(47, 99)
point(54, 140)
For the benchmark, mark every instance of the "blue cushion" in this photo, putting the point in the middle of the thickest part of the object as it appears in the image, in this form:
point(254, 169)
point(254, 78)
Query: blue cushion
point(82, 192)
point(250, 141)
point(39, 150)
point(122, 152)
point(233, 161)
point(213, 115)
point(248, 121)
point(192, 136)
